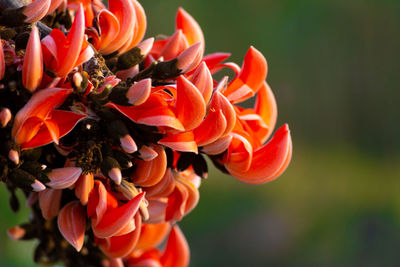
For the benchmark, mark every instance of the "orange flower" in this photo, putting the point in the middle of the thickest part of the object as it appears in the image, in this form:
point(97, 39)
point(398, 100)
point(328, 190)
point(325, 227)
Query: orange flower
point(38, 123)
point(62, 53)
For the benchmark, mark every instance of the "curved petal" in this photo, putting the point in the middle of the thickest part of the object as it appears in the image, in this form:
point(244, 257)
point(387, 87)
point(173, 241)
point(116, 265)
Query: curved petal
point(63, 177)
point(149, 173)
point(40, 105)
point(163, 188)
point(269, 161)
point(72, 222)
point(140, 27)
point(66, 122)
point(190, 106)
point(72, 48)
point(265, 106)
point(126, 15)
point(49, 202)
point(152, 235)
point(180, 142)
point(175, 45)
point(252, 74)
point(109, 28)
point(114, 220)
point(83, 187)
point(189, 27)
point(120, 246)
point(177, 252)
point(32, 69)
point(203, 81)
point(36, 10)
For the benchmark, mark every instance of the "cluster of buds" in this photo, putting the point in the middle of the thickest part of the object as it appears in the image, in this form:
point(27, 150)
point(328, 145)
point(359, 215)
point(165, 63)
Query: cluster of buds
point(106, 133)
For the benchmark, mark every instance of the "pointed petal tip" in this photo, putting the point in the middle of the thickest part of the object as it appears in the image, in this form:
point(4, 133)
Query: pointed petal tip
point(146, 46)
point(71, 223)
point(37, 186)
point(13, 155)
point(190, 58)
point(32, 69)
point(115, 175)
point(5, 115)
point(139, 92)
point(128, 144)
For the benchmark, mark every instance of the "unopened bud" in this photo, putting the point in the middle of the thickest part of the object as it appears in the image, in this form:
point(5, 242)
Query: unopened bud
point(128, 144)
point(139, 92)
point(26, 181)
point(13, 156)
point(111, 168)
point(146, 46)
point(115, 175)
point(5, 117)
point(147, 153)
point(38, 186)
point(134, 56)
point(190, 58)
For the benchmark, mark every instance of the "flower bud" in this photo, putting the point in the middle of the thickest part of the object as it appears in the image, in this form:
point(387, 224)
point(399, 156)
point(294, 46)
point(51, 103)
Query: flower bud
point(13, 156)
point(190, 58)
point(111, 168)
point(5, 116)
point(139, 92)
point(26, 181)
point(128, 144)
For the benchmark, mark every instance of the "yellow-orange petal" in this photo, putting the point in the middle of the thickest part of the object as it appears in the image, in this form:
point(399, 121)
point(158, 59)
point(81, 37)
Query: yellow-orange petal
point(83, 187)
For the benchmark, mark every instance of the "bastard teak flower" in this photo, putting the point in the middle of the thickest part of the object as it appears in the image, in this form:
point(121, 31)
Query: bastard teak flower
point(106, 132)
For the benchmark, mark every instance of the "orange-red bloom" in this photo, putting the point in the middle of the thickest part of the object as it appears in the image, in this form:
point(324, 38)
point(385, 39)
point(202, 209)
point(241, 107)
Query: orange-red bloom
point(39, 122)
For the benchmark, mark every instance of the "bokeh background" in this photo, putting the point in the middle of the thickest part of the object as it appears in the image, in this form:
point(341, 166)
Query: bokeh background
point(334, 66)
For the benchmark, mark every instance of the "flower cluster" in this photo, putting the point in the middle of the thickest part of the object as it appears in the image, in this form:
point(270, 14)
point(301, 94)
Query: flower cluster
point(106, 133)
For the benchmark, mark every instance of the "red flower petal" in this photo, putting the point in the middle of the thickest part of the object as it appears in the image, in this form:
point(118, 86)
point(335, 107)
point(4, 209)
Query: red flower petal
point(72, 222)
point(252, 74)
point(177, 252)
point(114, 220)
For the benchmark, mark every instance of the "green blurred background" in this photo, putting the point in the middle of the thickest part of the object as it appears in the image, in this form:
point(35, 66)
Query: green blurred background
point(334, 67)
